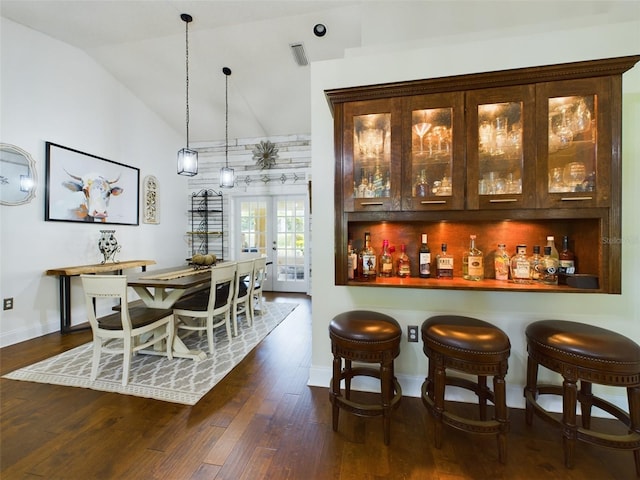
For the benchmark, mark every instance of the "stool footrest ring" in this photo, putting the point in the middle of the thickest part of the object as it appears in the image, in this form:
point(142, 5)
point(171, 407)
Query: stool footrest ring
point(367, 410)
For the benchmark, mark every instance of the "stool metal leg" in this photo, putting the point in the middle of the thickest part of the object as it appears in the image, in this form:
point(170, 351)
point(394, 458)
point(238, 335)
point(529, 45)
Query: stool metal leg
point(569, 427)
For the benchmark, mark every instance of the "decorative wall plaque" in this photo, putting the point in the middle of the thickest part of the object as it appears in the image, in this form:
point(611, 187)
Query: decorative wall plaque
point(151, 207)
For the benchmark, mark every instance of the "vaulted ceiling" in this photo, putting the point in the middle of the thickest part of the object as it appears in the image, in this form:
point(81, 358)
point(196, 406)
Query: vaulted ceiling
point(142, 44)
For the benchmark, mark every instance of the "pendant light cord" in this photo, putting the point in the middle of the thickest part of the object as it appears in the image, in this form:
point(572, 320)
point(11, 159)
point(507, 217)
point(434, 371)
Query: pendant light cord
point(187, 70)
point(226, 120)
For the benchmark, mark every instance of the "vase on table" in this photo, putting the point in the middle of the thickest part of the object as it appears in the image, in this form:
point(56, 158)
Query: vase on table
point(108, 246)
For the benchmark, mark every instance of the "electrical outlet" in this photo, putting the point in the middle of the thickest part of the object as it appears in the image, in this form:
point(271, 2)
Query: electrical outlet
point(7, 304)
point(412, 333)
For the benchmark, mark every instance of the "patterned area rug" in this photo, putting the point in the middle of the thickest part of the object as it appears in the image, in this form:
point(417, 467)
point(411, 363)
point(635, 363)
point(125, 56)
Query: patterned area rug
point(179, 380)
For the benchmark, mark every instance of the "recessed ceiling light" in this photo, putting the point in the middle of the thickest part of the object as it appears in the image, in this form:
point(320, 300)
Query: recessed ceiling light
point(319, 30)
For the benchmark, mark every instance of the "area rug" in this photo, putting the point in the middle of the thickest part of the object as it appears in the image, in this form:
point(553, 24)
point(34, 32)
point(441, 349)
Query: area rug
point(179, 380)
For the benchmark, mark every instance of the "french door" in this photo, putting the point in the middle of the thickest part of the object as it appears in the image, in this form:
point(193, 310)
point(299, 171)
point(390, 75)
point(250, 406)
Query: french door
point(275, 226)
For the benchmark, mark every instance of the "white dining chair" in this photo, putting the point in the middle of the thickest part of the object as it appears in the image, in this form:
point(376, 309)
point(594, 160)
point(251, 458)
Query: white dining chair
point(242, 293)
point(259, 278)
point(204, 312)
point(122, 332)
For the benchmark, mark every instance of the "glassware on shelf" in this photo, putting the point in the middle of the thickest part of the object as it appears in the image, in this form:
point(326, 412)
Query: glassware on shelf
point(485, 137)
point(421, 129)
point(574, 174)
point(564, 133)
point(500, 135)
point(556, 185)
point(581, 121)
point(371, 135)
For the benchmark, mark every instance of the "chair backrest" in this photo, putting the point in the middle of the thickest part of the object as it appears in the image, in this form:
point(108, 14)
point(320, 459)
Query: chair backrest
point(221, 274)
point(106, 286)
point(259, 272)
point(244, 277)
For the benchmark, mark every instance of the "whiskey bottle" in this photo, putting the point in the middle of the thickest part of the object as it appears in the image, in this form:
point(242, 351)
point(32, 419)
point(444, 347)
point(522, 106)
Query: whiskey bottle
point(444, 263)
point(520, 266)
point(352, 261)
point(424, 258)
point(567, 264)
point(535, 264)
point(550, 270)
point(422, 187)
point(501, 262)
point(404, 264)
point(473, 262)
point(552, 244)
point(367, 260)
point(386, 262)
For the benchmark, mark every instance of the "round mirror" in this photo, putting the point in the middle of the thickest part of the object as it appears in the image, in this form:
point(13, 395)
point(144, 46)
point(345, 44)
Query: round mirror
point(17, 175)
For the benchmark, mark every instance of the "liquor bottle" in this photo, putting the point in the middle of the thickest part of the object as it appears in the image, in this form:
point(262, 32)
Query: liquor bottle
point(444, 263)
point(422, 187)
point(567, 264)
point(520, 266)
point(536, 265)
point(551, 243)
point(424, 258)
point(501, 262)
point(473, 262)
point(378, 182)
point(367, 260)
point(352, 261)
point(386, 262)
point(364, 184)
point(404, 264)
point(550, 270)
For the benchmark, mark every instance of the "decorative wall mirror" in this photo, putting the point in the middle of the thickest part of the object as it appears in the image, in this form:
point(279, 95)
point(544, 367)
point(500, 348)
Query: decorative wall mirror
point(17, 175)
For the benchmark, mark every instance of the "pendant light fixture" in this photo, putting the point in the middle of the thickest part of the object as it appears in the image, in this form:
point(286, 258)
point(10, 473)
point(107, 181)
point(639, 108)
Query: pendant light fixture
point(227, 176)
point(187, 158)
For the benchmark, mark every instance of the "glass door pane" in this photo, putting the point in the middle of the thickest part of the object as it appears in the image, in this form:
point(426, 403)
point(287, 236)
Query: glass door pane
point(289, 244)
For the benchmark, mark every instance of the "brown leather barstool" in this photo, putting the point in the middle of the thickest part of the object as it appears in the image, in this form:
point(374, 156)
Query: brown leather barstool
point(590, 355)
point(368, 337)
point(474, 347)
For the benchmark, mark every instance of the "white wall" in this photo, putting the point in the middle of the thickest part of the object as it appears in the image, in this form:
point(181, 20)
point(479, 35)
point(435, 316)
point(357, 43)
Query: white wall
point(511, 311)
point(51, 91)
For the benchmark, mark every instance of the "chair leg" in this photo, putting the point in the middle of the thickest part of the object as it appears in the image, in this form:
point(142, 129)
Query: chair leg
point(210, 334)
point(97, 350)
point(438, 394)
point(482, 396)
point(234, 320)
point(386, 388)
point(171, 330)
point(569, 430)
point(633, 397)
point(586, 400)
point(126, 360)
point(335, 390)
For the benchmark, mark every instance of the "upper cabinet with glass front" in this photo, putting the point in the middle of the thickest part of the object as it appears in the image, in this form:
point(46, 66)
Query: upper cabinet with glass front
point(371, 155)
point(575, 160)
point(500, 147)
point(433, 173)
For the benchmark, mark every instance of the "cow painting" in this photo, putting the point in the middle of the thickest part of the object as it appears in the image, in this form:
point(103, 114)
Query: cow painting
point(97, 193)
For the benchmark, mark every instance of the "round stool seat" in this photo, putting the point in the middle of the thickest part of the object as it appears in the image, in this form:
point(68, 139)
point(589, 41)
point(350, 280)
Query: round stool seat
point(591, 347)
point(470, 346)
point(369, 337)
point(466, 334)
point(586, 354)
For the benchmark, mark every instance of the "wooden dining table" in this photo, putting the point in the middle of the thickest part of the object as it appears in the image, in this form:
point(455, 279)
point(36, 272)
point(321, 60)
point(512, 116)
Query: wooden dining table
point(162, 288)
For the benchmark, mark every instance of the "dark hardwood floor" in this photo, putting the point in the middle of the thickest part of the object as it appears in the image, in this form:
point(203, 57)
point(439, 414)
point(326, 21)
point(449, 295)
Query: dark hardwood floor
point(261, 422)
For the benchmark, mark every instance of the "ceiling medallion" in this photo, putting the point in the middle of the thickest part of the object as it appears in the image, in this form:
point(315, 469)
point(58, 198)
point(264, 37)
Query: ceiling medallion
point(265, 154)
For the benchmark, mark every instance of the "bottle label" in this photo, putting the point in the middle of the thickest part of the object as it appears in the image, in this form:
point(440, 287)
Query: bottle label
point(404, 269)
point(387, 268)
point(425, 263)
point(368, 264)
point(475, 265)
point(502, 268)
point(522, 270)
point(351, 259)
point(567, 266)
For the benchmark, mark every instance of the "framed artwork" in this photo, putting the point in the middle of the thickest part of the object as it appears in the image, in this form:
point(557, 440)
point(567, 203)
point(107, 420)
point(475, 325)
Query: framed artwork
point(80, 187)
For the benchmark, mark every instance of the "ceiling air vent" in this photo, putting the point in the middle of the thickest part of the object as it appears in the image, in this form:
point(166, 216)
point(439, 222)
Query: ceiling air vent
point(298, 54)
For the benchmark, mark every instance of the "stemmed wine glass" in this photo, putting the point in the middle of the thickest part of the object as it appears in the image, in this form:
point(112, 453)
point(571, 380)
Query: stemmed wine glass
point(421, 130)
point(564, 133)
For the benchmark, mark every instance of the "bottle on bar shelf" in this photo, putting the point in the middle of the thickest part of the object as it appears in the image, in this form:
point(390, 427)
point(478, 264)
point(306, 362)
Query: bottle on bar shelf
point(386, 262)
point(473, 262)
point(367, 260)
point(535, 264)
point(501, 262)
point(404, 264)
point(352, 261)
point(551, 242)
point(444, 263)
point(424, 258)
point(550, 270)
point(567, 264)
point(520, 266)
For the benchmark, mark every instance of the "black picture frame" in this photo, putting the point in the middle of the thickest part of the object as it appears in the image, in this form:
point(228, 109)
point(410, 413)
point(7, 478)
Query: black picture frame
point(85, 188)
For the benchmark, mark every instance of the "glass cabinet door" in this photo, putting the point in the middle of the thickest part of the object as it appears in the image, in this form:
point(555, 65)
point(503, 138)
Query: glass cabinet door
point(574, 164)
point(371, 155)
point(500, 124)
point(433, 176)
